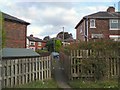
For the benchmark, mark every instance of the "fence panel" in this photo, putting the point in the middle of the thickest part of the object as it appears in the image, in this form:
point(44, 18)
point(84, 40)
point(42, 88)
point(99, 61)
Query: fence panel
point(18, 71)
point(75, 63)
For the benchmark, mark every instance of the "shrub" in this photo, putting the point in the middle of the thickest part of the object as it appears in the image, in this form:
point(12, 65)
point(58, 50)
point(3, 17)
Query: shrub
point(99, 51)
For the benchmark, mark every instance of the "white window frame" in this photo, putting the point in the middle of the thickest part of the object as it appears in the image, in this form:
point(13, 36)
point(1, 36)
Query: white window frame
point(114, 21)
point(115, 37)
point(92, 25)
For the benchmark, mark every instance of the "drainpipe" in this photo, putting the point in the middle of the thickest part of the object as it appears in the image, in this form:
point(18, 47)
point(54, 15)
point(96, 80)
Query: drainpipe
point(63, 36)
point(84, 30)
point(1, 50)
point(86, 35)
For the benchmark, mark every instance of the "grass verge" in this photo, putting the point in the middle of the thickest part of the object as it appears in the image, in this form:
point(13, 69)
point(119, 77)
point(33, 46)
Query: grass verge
point(91, 84)
point(40, 84)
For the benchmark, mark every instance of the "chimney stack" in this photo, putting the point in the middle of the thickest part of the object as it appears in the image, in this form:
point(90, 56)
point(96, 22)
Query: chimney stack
point(31, 35)
point(111, 9)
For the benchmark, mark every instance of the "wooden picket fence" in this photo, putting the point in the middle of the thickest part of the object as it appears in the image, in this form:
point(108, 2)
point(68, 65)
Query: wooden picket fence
point(75, 63)
point(17, 71)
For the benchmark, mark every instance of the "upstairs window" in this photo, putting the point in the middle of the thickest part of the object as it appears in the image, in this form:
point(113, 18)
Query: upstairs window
point(92, 23)
point(114, 24)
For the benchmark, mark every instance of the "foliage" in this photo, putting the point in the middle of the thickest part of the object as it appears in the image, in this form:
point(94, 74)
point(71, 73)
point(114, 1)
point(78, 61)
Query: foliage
point(96, 66)
point(41, 51)
point(3, 38)
point(54, 45)
point(97, 52)
point(58, 45)
point(50, 45)
point(96, 84)
point(102, 45)
point(2, 32)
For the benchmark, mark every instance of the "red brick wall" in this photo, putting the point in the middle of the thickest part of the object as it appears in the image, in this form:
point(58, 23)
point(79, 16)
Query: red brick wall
point(79, 34)
point(15, 34)
point(102, 27)
point(115, 32)
point(39, 47)
point(43, 44)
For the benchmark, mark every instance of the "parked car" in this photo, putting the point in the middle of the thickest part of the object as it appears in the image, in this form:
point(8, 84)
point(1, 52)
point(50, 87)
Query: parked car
point(55, 55)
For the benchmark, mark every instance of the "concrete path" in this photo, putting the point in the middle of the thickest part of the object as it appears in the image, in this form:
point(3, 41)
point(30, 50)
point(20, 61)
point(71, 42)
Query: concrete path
point(60, 76)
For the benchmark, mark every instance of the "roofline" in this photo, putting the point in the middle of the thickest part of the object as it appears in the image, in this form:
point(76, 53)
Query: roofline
point(79, 23)
point(21, 21)
point(35, 40)
point(14, 57)
point(26, 23)
point(102, 17)
point(38, 41)
point(87, 17)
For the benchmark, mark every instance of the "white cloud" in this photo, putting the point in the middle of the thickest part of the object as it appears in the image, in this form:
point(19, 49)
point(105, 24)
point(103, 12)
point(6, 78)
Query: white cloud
point(67, 0)
point(49, 18)
point(35, 30)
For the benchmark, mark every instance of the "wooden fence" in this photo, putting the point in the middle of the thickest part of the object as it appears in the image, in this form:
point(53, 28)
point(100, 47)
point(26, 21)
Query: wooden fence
point(75, 63)
point(18, 71)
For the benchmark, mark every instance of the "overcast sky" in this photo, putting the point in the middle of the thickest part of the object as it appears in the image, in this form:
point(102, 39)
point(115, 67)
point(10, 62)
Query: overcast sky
point(48, 17)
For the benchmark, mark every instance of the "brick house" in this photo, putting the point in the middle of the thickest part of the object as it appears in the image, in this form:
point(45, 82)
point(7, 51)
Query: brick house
point(35, 43)
point(100, 25)
point(15, 31)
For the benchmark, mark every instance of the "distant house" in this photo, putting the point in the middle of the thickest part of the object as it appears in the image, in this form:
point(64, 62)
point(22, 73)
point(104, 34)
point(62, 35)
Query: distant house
point(100, 25)
point(68, 41)
point(68, 38)
point(35, 43)
point(15, 31)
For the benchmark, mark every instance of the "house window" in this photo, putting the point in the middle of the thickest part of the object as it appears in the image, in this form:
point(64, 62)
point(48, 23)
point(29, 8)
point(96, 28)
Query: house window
point(39, 43)
point(114, 24)
point(92, 23)
point(32, 43)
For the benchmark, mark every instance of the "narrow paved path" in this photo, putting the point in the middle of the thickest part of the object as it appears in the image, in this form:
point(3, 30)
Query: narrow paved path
point(60, 76)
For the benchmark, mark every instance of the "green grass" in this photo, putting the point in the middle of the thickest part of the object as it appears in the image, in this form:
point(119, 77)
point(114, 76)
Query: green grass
point(91, 84)
point(39, 84)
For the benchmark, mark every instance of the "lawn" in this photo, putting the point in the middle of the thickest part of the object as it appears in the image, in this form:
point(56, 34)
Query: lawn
point(39, 84)
point(91, 84)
